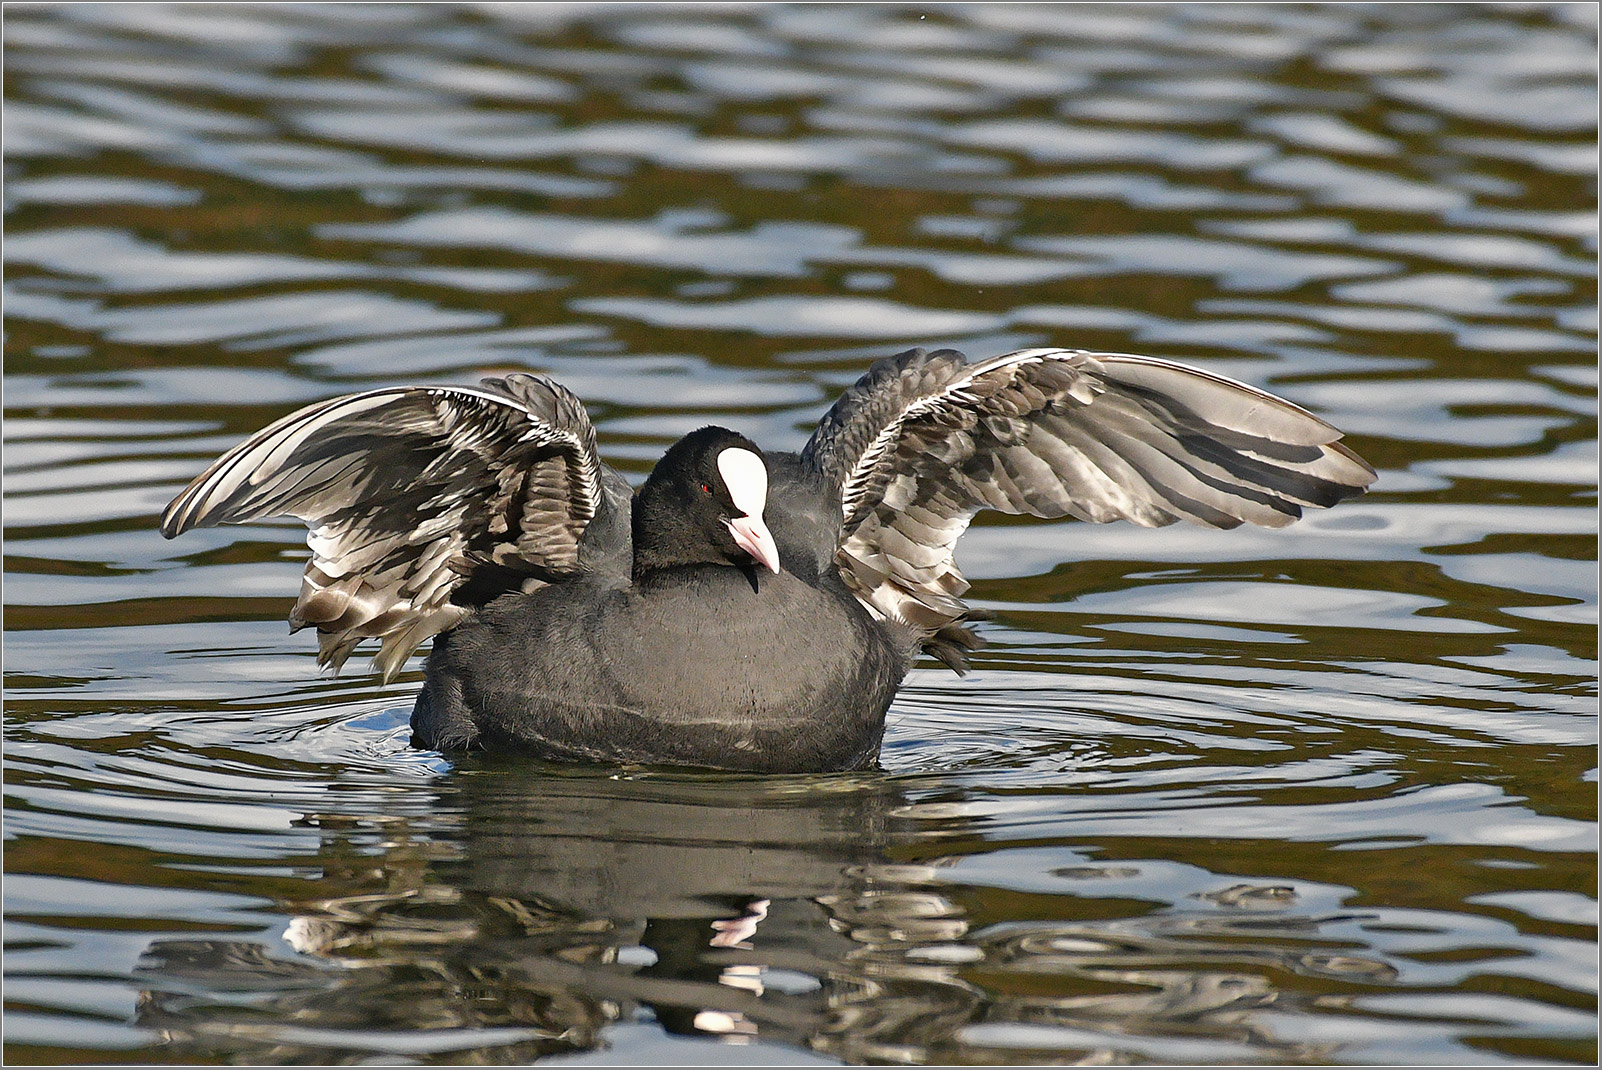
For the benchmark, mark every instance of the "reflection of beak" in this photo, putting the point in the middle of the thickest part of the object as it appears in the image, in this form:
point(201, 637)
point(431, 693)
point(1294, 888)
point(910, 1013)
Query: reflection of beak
point(752, 536)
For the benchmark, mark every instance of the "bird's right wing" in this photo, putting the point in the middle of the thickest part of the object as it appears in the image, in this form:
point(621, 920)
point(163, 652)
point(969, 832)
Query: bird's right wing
point(409, 492)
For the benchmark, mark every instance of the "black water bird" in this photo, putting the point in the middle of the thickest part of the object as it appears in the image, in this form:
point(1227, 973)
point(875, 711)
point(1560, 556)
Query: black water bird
point(742, 610)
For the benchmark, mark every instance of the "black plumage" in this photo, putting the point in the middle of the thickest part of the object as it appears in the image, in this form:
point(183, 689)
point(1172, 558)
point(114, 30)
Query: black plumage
point(577, 621)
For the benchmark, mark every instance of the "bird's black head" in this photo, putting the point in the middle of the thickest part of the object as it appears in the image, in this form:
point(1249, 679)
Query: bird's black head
point(702, 505)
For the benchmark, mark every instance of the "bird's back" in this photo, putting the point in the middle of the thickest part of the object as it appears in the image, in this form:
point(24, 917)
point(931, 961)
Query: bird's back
point(702, 665)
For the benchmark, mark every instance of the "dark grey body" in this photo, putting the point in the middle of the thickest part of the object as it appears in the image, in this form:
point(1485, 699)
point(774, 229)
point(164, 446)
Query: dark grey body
point(639, 627)
point(695, 665)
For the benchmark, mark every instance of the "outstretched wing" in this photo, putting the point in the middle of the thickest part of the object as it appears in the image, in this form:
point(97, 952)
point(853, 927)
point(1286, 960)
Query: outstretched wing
point(924, 441)
point(410, 492)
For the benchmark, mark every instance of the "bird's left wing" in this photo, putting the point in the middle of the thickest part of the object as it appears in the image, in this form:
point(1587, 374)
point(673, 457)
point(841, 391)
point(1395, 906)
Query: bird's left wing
point(925, 440)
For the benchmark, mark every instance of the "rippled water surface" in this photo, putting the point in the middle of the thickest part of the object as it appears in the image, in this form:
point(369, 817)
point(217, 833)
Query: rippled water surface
point(1325, 794)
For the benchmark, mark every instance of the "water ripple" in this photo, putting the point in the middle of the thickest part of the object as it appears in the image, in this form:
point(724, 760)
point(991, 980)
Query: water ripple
point(1322, 794)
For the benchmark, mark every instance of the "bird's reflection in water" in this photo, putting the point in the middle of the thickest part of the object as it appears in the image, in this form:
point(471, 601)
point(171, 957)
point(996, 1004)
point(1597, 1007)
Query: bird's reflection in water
point(808, 912)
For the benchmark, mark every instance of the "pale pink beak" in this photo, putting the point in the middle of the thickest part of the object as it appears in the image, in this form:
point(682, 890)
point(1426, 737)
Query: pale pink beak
point(746, 477)
point(752, 536)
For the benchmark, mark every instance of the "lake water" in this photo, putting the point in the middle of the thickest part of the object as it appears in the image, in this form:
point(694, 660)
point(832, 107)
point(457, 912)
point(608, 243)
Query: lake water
point(1325, 794)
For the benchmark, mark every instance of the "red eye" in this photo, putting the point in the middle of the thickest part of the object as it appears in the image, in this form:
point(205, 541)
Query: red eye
point(706, 488)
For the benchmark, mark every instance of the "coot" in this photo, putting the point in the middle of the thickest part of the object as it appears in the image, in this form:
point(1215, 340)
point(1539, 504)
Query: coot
point(744, 609)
